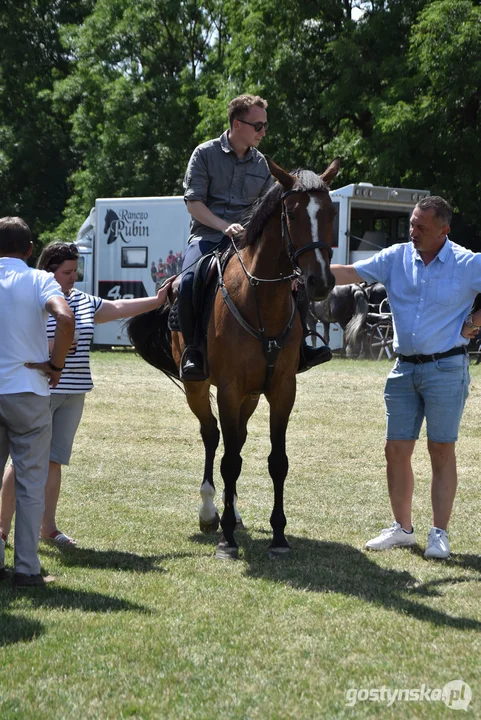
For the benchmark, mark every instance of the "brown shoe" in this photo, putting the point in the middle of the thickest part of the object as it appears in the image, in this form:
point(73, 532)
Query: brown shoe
point(20, 580)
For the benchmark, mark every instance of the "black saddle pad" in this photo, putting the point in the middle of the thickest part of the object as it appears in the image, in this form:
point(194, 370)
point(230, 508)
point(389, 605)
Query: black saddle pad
point(203, 294)
point(173, 320)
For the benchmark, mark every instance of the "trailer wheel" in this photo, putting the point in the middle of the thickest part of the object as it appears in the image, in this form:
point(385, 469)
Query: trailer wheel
point(381, 339)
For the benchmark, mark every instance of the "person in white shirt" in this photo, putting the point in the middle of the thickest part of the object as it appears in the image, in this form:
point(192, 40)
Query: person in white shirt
point(27, 296)
point(67, 398)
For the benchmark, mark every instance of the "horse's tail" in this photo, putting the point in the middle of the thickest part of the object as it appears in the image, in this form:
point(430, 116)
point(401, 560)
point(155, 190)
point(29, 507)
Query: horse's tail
point(358, 320)
point(150, 335)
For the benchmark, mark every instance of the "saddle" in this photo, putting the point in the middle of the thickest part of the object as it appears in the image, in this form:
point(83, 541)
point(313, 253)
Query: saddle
point(205, 286)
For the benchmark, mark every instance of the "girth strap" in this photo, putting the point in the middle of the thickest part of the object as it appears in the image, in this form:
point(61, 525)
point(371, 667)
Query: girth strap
point(270, 345)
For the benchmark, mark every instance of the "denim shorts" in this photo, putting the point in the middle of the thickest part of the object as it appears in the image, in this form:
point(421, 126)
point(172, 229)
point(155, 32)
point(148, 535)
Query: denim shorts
point(435, 390)
point(66, 412)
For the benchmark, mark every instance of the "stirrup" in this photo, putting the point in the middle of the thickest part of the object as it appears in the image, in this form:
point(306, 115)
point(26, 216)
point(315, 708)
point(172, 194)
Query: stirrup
point(310, 357)
point(192, 368)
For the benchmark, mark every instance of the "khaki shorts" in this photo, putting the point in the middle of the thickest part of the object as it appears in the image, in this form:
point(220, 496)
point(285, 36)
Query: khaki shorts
point(66, 412)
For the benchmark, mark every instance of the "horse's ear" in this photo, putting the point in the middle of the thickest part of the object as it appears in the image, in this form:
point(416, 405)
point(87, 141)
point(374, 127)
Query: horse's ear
point(285, 179)
point(331, 172)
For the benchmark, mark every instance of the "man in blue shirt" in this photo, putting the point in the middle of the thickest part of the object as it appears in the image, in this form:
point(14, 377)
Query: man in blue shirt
point(224, 178)
point(431, 284)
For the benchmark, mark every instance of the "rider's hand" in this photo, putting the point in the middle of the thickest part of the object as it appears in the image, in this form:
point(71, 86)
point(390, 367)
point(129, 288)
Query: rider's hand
point(236, 229)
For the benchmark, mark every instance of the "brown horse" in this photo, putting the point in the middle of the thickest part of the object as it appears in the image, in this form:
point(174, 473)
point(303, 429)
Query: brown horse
point(253, 337)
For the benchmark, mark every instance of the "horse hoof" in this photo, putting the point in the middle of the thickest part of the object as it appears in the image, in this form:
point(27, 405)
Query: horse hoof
point(239, 525)
point(226, 552)
point(276, 552)
point(209, 527)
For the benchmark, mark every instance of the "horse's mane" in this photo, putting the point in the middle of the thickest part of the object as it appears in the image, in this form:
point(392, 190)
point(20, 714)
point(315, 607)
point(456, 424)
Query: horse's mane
point(263, 209)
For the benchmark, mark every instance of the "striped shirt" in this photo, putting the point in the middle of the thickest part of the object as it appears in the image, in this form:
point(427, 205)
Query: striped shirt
point(76, 377)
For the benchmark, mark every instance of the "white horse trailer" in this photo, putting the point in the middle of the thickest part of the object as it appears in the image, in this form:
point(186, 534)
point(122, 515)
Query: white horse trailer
point(369, 218)
point(128, 245)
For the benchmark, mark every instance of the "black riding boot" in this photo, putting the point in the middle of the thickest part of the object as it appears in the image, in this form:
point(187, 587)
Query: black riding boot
point(192, 361)
point(309, 356)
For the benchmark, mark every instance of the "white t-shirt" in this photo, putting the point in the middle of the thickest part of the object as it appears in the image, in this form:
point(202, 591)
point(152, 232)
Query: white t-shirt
point(23, 319)
point(76, 376)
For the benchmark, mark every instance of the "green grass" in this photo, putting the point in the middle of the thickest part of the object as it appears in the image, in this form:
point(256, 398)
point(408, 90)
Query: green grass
point(143, 622)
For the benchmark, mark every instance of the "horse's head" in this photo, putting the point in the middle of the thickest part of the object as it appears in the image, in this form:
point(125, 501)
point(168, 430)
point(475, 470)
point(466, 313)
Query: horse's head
point(307, 225)
point(110, 218)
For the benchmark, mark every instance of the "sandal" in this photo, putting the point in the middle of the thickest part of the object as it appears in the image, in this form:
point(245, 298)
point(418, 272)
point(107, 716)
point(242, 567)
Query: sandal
point(59, 538)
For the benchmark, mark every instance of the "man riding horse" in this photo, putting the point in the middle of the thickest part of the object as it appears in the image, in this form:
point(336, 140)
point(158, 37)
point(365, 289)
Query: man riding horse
point(224, 177)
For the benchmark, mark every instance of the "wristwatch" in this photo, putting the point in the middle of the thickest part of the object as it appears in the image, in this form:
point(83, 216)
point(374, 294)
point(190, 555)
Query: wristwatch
point(469, 321)
point(54, 367)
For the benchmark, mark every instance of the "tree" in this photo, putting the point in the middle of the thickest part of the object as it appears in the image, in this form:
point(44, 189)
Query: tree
point(35, 156)
point(431, 132)
point(132, 89)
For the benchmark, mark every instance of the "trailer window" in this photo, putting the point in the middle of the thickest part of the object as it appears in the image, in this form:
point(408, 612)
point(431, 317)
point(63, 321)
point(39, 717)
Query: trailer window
point(134, 257)
point(80, 269)
point(335, 233)
point(403, 228)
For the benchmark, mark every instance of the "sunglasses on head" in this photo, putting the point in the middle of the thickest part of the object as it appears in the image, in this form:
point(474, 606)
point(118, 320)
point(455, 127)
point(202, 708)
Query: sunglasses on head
point(257, 125)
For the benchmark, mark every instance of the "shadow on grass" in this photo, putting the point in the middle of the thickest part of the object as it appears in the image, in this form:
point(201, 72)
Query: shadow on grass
point(75, 556)
point(14, 628)
point(319, 566)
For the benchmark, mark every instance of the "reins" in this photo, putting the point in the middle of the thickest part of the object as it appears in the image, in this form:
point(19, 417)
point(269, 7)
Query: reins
point(271, 345)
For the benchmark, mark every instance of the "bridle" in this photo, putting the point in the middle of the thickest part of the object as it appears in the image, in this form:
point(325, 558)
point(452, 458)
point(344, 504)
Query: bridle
point(292, 253)
point(271, 345)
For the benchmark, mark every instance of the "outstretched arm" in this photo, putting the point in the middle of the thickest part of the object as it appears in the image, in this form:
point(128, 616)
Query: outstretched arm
point(345, 274)
point(118, 309)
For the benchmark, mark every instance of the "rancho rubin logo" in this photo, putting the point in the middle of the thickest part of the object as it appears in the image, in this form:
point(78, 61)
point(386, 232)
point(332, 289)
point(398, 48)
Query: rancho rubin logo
point(126, 225)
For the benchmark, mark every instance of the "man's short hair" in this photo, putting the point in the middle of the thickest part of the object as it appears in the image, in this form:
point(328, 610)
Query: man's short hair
point(15, 236)
point(239, 106)
point(441, 209)
point(55, 253)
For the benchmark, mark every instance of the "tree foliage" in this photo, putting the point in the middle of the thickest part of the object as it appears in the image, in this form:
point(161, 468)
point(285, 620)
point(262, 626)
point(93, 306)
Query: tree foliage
point(35, 152)
point(109, 97)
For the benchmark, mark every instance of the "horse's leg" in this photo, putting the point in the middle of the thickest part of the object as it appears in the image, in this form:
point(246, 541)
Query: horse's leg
point(327, 333)
point(230, 467)
point(311, 323)
point(247, 408)
point(281, 401)
point(199, 402)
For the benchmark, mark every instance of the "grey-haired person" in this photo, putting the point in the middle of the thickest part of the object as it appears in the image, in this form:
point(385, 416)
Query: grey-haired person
point(431, 284)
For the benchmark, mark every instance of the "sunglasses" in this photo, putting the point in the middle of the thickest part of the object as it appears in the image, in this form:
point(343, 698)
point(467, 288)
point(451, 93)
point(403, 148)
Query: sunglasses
point(257, 125)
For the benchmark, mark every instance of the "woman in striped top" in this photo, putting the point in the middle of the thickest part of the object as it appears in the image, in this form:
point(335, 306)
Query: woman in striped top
point(67, 398)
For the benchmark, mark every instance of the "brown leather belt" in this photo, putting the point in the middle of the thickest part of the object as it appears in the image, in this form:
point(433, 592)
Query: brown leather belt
point(461, 350)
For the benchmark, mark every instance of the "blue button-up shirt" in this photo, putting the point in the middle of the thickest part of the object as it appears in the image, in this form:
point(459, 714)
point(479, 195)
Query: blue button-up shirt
point(226, 184)
point(429, 303)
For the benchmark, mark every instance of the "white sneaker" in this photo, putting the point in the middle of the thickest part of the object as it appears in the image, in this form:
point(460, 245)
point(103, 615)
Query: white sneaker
point(438, 544)
point(391, 537)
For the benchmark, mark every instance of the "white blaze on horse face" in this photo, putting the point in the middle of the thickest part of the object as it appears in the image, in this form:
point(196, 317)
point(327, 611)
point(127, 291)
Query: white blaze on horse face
point(313, 209)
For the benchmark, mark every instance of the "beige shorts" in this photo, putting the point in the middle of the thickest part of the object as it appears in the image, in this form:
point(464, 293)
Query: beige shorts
point(67, 412)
